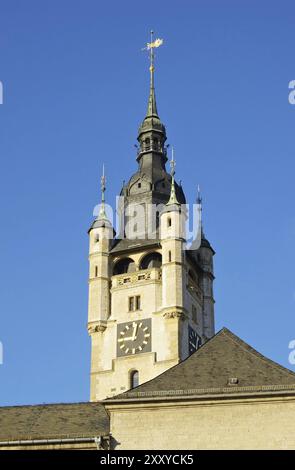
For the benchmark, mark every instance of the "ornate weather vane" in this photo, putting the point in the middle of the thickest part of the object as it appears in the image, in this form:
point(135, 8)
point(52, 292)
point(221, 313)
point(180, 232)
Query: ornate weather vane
point(150, 47)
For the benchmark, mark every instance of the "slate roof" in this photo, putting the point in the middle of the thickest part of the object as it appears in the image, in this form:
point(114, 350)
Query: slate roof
point(205, 372)
point(121, 245)
point(209, 369)
point(70, 420)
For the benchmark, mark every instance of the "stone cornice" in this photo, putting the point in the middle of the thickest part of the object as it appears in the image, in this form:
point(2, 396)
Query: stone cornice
point(173, 263)
point(98, 278)
point(95, 254)
point(205, 393)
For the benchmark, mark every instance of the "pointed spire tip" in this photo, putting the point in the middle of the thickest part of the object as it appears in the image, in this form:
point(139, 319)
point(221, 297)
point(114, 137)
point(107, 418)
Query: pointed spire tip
point(173, 197)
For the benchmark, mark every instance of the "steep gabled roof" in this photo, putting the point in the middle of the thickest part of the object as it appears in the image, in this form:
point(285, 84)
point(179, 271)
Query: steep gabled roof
point(68, 420)
point(211, 368)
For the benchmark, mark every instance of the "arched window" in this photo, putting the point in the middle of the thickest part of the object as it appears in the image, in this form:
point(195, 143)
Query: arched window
point(151, 260)
point(169, 222)
point(147, 143)
point(134, 378)
point(123, 266)
point(96, 271)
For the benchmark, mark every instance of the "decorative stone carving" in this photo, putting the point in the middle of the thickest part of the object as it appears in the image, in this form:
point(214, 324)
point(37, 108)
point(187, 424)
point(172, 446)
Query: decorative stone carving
point(139, 276)
point(99, 327)
point(174, 314)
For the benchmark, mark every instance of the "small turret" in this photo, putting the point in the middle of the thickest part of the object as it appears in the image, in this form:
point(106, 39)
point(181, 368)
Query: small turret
point(205, 254)
point(100, 240)
point(172, 241)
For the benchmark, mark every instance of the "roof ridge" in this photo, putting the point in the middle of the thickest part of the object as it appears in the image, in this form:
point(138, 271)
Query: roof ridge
point(52, 404)
point(232, 390)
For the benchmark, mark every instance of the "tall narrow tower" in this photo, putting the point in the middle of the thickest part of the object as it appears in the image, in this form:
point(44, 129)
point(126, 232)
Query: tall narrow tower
point(150, 300)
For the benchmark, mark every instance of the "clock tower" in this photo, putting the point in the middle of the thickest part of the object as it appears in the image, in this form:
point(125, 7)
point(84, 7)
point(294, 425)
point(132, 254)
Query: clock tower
point(150, 299)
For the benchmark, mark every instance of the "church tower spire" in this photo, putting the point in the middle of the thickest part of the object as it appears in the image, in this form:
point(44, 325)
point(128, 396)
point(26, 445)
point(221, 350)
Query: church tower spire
point(152, 104)
point(152, 132)
point(151, 183)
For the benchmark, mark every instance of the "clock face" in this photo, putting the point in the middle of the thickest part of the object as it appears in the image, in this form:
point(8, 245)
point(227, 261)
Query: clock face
point(134, 337)
point(194, 340)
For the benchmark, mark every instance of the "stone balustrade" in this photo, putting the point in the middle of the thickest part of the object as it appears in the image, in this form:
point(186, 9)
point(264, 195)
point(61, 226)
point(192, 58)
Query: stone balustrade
point(153, 274)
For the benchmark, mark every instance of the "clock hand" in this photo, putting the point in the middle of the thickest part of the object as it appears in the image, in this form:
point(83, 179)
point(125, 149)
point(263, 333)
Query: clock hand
point(128, 338)
point(135, 332)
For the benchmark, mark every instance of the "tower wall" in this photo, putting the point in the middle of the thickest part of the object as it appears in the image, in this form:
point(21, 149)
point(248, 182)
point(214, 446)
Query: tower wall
point(99, 294)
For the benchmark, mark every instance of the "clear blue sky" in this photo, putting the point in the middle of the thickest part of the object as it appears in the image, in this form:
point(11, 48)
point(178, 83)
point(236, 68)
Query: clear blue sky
point(75, 90)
